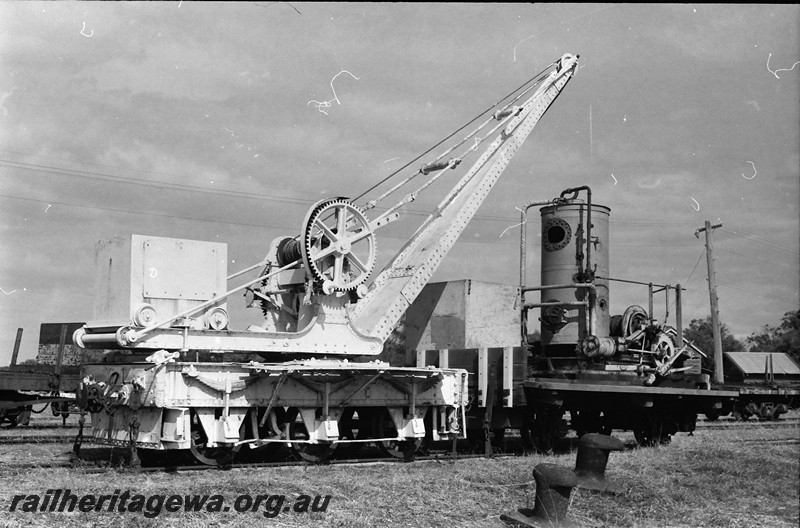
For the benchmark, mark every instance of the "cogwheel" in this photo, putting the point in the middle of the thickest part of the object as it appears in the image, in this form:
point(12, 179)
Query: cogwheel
point(338, 245)
point(664, 348)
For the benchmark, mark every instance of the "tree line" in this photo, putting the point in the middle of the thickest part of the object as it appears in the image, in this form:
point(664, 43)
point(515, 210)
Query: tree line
point(785, 337)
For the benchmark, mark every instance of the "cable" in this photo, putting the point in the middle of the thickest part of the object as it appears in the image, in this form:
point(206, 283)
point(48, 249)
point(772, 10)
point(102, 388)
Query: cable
point(404, 167)
point(761, 240)
point(289, 229)
point(192, 188)
point(699, 258)
point(781, 299)
point(194, 219)
point(778, 263)
point(148, 183)
point(128, 211)
point(105, 166)
point(260, 196)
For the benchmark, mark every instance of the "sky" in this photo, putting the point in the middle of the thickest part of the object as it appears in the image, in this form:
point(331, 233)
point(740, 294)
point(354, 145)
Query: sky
point(225, 122)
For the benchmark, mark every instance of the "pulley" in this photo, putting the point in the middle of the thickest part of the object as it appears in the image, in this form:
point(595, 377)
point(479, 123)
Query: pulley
point(216, 318)
point(633, 319)
point(144, 314)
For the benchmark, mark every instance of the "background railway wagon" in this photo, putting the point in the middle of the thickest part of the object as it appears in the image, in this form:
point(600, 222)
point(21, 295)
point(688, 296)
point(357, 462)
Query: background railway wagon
point(52, 379)
point(768, 383)
point(471, 325)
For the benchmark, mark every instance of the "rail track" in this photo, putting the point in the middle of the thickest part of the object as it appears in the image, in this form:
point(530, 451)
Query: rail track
point(37, 439)
point(732, 424)
point(102, 464)
point(701, 425)
point(99, 458)
point(775, 441)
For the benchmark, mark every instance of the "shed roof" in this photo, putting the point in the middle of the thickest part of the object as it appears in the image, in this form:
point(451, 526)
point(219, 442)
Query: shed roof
point(754, 362)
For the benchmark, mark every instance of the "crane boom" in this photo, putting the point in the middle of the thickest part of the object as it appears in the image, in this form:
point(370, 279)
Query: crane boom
point(399, 283)
point(312, 291)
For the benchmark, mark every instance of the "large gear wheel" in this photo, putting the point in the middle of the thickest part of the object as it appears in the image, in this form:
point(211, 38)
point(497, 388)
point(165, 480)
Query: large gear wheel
point(664, 347)
point(338, 245)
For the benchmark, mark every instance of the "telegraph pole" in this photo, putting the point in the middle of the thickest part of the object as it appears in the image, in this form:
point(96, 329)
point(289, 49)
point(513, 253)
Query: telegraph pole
point(712, 293)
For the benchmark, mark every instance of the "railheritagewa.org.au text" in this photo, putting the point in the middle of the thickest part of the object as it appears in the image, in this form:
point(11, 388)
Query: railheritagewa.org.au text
point(150, 506)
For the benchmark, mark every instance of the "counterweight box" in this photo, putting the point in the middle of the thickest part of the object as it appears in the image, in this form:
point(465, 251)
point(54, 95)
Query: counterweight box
point(168, 274)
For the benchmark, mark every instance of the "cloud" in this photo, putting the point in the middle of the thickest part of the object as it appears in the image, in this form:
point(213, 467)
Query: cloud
point(181, 96)
point(713, 34)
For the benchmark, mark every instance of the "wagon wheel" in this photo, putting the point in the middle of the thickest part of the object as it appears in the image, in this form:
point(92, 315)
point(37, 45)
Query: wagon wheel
point(643, 435)
point(589, 421)
point(648, 430)
point(8, 417)
point(740, 412)
point(545, 427)
point(383, 427)
point(7, 421)
point(314, 453)
point(355, 424)
point(221, 456)
point(526, 428)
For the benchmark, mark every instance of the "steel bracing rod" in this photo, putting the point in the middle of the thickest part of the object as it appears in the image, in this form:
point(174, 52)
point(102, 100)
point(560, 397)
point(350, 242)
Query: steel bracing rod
point(452, 164)
point(135, 335)
point(514, 123)
point(504, 115)
point(369, 382)
point(404, 167)
point(403, 278)
point(274, 397)
point(637, 282)
point(250, 268)
point(559, 287)
point(531, 306)
point(483, 163)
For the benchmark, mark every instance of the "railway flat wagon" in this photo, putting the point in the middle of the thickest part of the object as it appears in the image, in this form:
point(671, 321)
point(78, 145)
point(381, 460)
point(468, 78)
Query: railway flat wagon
point(588, 370)
point(51, 380)
point(768, 384)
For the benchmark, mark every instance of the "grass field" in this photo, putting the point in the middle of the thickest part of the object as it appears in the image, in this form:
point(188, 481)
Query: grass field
point(716, 478)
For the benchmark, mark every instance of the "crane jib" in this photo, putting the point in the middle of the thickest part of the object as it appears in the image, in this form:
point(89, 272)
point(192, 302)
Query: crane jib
point(403, 278)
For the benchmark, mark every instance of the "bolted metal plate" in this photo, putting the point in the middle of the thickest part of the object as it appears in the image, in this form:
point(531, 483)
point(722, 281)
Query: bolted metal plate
point(181, 269)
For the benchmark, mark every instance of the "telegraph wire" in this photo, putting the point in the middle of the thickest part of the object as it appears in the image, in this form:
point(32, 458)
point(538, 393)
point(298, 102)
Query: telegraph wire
point(102, 165)
point(778, 263)
point(683, 285)
point(752, 237)
point(226, 222)
point(780, 299)
point(243, 224)
point(150, 183)
point(145, 213)
point(699, 258)
point(62, 171)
